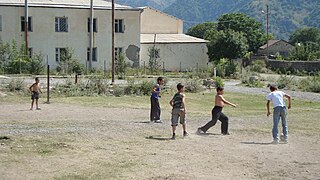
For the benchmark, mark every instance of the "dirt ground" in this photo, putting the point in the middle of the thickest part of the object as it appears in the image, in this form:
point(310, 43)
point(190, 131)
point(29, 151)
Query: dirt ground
point(64, 141)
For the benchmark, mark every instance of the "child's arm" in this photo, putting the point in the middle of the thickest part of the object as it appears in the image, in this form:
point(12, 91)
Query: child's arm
point(289, 99)
point(184, 103)
point(227, 102)
point(31, 87)
point(268, 108)
point(40, 89)
point(171, 102)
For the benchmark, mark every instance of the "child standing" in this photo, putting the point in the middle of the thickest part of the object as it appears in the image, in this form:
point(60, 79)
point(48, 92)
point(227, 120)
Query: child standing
point(35, 93)
point(279, 110)
point(154, 99)
point(217, 114)
point(178, 104)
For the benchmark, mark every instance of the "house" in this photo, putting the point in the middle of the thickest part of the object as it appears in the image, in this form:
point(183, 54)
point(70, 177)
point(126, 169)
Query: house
point(276, 46)
point(177, 51)
point(55, 25)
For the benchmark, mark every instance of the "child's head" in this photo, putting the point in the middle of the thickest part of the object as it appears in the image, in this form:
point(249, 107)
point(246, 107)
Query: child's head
point(272, 87)
point(180, 87)
point(37, 79)
point(160, 80)
point(220, 90)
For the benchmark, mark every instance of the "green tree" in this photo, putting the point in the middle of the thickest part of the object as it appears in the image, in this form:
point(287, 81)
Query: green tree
point(305, 36)
point(121, 65)
point(200, 30)
point(250, 28)
point(68, 64)
point(226, 44)
point(304, 52)
point(154, 59)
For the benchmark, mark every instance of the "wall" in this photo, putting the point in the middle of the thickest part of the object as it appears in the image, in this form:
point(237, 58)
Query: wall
point(190, 55)
point(309, 66)
point(157, 22)
point(280, 47)
point(44, 39)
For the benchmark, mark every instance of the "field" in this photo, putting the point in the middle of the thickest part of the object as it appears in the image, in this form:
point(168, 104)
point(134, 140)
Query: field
point(111, 138)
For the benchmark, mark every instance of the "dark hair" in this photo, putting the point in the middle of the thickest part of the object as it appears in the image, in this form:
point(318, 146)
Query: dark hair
point(36, 79)
point(272, 87)
point(159, 79)
point(220, 89)
point(179, 86)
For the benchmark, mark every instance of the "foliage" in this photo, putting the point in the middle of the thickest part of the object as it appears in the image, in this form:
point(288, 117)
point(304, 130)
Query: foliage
point(305, 52)
point(200, 30)
point(305, 36)
point(16, 85)
point(249, 27)
point(226, 68)
point(219, 82)
point(287, 81)
point(258, 66)
point(311, 84)
point(68, 64)
point(121, 66)
point(193, 86)
point(36, 66)
point(251, 79)
point(154, 59)
point(226, 44)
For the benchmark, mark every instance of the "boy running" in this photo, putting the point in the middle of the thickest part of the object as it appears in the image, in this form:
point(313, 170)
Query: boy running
point(217, 114)
point(35, 93)
point(178, 104)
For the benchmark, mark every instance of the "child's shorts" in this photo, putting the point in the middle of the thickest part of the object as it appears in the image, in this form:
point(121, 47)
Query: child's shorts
point(176, 113)
point(35, 95)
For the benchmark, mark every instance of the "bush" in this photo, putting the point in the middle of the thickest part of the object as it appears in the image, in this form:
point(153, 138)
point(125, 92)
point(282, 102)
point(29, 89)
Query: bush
point(193, 86)
point(251, 79)
point(219, 82)
point(259, 66)
point(118, 91)
point(311, 84)
point(286, 81)
point(16, 85)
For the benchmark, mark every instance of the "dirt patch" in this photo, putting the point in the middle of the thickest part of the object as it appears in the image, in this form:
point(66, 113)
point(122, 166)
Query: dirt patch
point(77, 142)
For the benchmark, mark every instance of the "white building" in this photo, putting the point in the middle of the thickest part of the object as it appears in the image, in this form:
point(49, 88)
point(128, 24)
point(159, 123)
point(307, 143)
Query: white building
point(58, 24)
point(178, 52)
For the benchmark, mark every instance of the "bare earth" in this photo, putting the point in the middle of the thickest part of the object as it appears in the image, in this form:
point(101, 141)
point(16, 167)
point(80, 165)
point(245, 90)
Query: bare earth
point(76, 142)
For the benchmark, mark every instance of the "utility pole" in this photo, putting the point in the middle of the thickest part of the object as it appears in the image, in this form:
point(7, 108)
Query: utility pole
point(267, 28)
point(112, 51)
point(26, 20)
point(91, 35)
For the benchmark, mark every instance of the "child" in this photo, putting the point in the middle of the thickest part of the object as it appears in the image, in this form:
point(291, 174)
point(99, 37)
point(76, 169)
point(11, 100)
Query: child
point(155, 106)
point(217, 114)
point(178, 104)
point(279, 110)
point(35, 90)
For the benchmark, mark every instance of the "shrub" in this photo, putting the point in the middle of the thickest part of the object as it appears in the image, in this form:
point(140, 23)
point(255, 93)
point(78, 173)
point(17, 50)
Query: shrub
point(259, 66)
point(193, 86)
point(118, 91)
point(311, 84)
point(251, 79)
point(219, 82)
point(146, 87)
point(286, 81)
point(16, 85)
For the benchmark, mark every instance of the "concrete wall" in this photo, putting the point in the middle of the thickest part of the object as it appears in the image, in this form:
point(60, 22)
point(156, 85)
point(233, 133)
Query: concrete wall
point(157, 22)
point(309, 66)
point(44, 39)
point(190, 55)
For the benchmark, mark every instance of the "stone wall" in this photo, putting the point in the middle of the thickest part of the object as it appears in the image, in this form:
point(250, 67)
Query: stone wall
point(294, 66)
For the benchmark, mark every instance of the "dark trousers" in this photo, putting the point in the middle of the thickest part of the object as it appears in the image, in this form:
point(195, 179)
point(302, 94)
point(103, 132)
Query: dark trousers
point(217, 115)
point(155, 109)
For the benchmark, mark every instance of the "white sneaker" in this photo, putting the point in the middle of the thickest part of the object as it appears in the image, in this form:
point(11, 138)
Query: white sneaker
point(158, 121)
point(199, 131)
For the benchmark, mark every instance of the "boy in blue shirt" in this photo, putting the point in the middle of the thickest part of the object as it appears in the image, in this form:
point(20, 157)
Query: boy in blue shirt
point(154, 99)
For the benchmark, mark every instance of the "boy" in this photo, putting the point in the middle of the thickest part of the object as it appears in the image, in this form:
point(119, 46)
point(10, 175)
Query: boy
point(35, 90)
point(279, 110)
point(217, 114)
point(178, 104)
point(155, 106)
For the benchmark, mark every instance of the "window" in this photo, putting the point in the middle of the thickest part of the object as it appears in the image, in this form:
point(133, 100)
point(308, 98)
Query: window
point(117, 52)
point(60, 53)
point(0, 23)
point(23, 24)
point(95, 27)
point(119, 27)
point(94, 53)
point(61, 24)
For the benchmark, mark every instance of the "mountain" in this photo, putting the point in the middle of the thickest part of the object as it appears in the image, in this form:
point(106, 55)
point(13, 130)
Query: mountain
point(285, 16)
point(158, 4)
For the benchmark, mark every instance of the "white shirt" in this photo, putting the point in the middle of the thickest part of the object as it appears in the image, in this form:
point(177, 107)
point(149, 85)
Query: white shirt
point(277, 98)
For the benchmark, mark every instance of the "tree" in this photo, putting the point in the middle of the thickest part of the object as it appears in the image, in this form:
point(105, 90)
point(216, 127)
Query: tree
point(121, 65)
point(226, 44)
point(199, 30)
point(250, 28)
point(305, 35)
point(304, 52)
point(154, 59)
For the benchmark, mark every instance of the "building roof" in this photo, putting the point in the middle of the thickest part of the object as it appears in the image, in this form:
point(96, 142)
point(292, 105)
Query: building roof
point(169, 39)
point(147, 7)
point(101, 4)
point(272, 42)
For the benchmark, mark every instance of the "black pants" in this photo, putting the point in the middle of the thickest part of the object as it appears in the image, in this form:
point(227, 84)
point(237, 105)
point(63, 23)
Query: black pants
point(155, 109)
point(217, 115)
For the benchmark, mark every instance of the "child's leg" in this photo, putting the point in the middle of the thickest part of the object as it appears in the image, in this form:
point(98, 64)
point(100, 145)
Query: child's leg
point(224, 123)
point(284, 123)
point(215, 117)
point(37, 104)
point(32, 102)
point(276, 117)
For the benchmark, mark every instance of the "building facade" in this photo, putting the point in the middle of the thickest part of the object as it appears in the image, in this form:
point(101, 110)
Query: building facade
point(55, 25)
